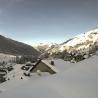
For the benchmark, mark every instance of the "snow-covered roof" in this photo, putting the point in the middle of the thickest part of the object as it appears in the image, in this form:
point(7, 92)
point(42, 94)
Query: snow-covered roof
point(46, 63)
point(80, 81)
point(62, 65)
point(50, 66)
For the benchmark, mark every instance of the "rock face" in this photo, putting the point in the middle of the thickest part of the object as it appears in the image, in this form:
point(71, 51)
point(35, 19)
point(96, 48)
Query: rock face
point(12, 47)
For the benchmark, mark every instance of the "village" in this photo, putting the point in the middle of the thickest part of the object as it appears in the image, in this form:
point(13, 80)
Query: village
point(10, 67)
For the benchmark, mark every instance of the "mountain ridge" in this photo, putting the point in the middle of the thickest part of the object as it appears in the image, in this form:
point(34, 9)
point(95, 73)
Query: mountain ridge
point(81, 46)
point(10, 46)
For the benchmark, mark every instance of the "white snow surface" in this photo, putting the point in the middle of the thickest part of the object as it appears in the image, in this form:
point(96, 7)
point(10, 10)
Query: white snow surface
point(61, 65)
point(17, 73)
point(14, 78)
point(50, 66)
point(84, 37)
point(78, 81)
point(90, 36)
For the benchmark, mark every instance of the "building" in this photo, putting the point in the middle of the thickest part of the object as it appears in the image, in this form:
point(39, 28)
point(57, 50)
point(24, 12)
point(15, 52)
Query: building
point(44, 66)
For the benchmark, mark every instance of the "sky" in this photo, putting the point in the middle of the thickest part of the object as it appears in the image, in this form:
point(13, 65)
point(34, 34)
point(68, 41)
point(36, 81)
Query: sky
point(43, 21)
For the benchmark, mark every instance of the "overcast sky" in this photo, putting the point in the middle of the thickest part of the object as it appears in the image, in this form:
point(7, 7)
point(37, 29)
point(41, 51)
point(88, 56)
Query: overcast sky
point(36, 21)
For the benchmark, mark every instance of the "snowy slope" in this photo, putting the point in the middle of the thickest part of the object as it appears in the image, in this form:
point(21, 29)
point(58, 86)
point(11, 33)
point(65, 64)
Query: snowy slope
point(82, 41)
point(80, 81)
point(42, 47)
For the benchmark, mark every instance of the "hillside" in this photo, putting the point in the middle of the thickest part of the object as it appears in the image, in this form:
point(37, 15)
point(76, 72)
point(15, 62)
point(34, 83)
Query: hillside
point(9, 46)
point(78, 47)
point(81, 41)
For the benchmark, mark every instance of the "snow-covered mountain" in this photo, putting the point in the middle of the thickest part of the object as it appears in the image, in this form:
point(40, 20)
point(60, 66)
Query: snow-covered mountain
point(81, 41)
point(84, 44)
point(42, 47)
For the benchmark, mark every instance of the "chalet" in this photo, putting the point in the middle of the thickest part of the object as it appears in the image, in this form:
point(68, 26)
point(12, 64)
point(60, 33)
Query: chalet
point(43, 66)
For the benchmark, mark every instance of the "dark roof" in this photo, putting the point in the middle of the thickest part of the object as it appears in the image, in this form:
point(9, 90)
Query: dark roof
point(33, 67)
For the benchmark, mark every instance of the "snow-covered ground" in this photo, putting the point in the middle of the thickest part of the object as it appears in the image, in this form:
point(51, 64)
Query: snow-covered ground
point(61, 65)
point(78, 81)
point(13, 78)
point(16, 73)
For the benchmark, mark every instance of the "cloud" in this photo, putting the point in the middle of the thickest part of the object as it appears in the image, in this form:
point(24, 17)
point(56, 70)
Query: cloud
point(7, 4)
point(12, 2)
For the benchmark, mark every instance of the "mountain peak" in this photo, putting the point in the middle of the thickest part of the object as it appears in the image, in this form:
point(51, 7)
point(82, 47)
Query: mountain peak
point(91, 36)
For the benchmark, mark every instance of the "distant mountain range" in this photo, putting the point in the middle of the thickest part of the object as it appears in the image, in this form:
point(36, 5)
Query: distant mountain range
point(12, 47)
point(42, 47)
point(84, 44)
